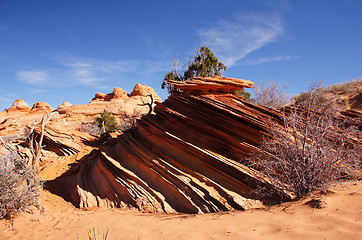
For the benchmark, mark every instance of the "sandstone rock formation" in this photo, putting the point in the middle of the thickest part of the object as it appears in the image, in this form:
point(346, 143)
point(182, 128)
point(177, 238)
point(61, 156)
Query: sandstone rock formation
point(78, 117)
point(187, 157)
point(71, 127)
point(203, 85)
point(118, 93)
point(41, 106)
point(63, 107)
point(144, 91)
point(19, 105)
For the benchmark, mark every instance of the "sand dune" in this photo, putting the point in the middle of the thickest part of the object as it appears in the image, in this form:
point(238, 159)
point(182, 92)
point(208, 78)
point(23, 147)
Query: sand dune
point(339, 218)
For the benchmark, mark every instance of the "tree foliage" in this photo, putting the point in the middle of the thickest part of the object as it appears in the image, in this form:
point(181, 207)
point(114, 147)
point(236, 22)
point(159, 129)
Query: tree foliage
point(107, 122)
point(203, 64)
point(244, 94)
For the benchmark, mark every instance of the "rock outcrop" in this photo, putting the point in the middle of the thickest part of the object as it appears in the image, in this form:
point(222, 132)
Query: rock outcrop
point(118, 93)
point(19, 105)
point(187, 157)
point(41, 106)
point(63, 107)
point(217, 85)
point(79, 117)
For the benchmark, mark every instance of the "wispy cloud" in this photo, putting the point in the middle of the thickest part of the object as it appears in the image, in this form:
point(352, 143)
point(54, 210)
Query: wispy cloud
point(268, 59)
point(69, 69)
point(88, 71)
point(6, 99)
point(234, 40)
point(32, 77)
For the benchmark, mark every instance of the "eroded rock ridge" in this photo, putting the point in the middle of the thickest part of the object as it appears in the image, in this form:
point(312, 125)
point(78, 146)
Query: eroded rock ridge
point(187, 157)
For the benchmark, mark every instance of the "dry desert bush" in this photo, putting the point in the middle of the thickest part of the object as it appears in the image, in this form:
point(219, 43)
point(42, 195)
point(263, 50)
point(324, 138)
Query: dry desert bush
point(19, 185)
point(310, 148)
point(270, 94)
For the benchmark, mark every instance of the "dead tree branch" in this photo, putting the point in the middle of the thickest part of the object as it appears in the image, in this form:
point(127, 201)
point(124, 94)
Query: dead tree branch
point(149, 104)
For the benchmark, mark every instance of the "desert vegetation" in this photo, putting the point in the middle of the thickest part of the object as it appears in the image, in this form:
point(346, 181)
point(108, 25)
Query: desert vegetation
point(270, 94)
point(106, 122)
point(20, 184)
point(310, 148)
point(202, 64)
point(341, 94)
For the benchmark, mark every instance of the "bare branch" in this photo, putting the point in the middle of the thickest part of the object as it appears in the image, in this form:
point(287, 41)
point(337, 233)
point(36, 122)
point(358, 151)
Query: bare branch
point(149, 104)
point(311, 149)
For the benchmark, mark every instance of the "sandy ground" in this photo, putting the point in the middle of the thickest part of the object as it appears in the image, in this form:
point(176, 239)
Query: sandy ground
point(339, 218)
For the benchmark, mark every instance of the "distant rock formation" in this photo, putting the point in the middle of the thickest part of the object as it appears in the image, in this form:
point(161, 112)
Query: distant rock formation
point(62, 107)
point(77, 117)
point(144, 91)
point(40, 106)
point(118, 93)
point(19, 105)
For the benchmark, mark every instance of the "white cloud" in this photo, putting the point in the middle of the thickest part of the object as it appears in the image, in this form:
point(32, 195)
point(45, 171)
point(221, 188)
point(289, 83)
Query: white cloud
point(95, 65)
point(269, 59)
point(32, 77)
point(234, 40)
point(68, 69)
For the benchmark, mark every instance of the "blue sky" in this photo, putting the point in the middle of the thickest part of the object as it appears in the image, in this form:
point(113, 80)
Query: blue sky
point(67, 50)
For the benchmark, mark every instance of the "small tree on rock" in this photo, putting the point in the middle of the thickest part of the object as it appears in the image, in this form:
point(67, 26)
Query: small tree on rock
point(203, 64)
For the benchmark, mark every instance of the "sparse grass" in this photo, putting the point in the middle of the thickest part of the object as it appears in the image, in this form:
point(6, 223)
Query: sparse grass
point(350, 89)
point(93, 234)
point(355, 85)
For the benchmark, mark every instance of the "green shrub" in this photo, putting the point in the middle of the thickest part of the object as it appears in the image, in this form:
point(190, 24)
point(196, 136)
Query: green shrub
point(203, 64)
point(107, 122)
point(245, 95)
